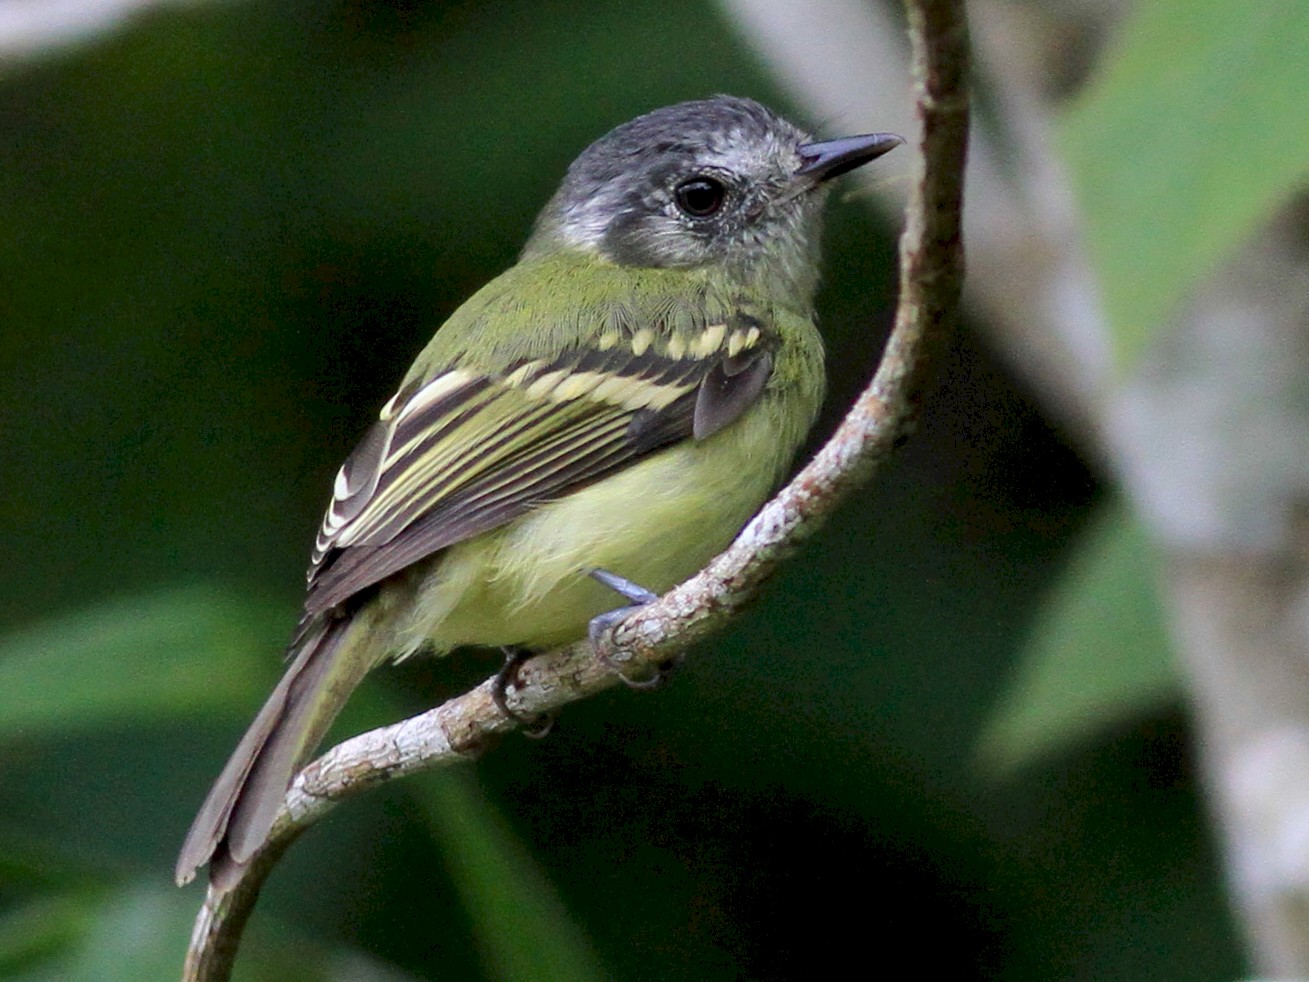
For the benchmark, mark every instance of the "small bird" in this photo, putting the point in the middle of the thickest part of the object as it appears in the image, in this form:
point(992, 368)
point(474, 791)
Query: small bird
point(605, 415)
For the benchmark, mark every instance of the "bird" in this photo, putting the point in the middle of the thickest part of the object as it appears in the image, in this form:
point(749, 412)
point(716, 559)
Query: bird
point(603, 416)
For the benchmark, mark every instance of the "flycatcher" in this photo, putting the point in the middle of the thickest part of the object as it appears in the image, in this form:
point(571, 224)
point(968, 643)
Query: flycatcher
point(608, 412)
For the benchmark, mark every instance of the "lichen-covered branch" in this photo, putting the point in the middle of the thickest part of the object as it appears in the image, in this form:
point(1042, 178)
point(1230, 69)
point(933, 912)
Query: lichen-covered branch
point(931, 273)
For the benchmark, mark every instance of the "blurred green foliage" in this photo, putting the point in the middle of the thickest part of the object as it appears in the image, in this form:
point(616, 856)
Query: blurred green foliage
point(228, 229)
point(1194, 130)
point(1077, 674)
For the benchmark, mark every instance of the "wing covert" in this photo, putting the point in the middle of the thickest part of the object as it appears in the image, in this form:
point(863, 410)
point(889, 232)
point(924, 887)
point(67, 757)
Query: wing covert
point(463, 452)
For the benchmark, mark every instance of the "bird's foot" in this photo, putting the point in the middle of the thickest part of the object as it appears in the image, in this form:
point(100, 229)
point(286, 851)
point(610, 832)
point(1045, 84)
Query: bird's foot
point(600, 626)
point(535, 727)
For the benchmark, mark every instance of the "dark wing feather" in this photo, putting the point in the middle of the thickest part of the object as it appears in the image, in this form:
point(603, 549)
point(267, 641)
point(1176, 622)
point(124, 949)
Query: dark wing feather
point(727, 389)
point(464, 452)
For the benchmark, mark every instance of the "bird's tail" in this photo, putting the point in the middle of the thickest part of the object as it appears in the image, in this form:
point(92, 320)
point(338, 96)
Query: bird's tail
point(233, 823)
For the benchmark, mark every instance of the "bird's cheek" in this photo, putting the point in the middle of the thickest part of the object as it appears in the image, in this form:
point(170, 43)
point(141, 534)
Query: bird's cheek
point(638, 240)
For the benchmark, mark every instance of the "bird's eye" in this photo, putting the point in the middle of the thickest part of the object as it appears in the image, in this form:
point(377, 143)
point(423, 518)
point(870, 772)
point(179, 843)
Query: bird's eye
point(700, 197)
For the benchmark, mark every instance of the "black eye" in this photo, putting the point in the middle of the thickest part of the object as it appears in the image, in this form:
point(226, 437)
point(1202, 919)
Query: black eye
point(700, 196)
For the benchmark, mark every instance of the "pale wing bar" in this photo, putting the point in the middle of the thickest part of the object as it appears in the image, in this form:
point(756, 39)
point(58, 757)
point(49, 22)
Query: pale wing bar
point(513, 441)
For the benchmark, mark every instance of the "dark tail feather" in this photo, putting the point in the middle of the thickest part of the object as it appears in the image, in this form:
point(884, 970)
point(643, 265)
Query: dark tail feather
point(234, 821)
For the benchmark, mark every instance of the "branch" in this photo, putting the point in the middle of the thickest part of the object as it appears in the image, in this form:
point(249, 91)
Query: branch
point(931, 275)
point(1028, 275)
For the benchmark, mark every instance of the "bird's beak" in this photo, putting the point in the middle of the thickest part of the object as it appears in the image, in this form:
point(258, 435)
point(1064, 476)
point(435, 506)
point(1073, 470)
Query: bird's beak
point(831, 158)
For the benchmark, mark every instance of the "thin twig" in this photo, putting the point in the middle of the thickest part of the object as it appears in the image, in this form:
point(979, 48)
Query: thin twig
point(931, 275)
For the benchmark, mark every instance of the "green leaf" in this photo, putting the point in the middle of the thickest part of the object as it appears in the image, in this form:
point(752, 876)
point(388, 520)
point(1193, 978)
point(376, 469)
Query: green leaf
point(34, 934)
point(28, 862)
point(523, 929)
point(148, 658)
point(1098, 654)
point(1195, 129)
point(140, 932)
point(139, 929)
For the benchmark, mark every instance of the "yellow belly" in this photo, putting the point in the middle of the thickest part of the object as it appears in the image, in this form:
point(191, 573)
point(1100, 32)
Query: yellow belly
point(655, 523)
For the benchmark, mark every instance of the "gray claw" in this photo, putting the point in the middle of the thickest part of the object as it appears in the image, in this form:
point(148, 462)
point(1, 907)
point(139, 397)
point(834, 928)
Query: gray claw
point(535, 727)
point(637, 594)
point(599, 629)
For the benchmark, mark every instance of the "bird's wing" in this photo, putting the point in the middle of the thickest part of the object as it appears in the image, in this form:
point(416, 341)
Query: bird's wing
point(464, 451)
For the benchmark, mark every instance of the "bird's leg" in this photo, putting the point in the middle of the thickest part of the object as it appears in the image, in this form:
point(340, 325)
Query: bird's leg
point(638, 596)
point(533, 726)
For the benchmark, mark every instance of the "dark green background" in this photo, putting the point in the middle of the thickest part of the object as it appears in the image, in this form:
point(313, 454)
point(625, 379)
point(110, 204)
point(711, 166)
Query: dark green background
point(226, 231)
